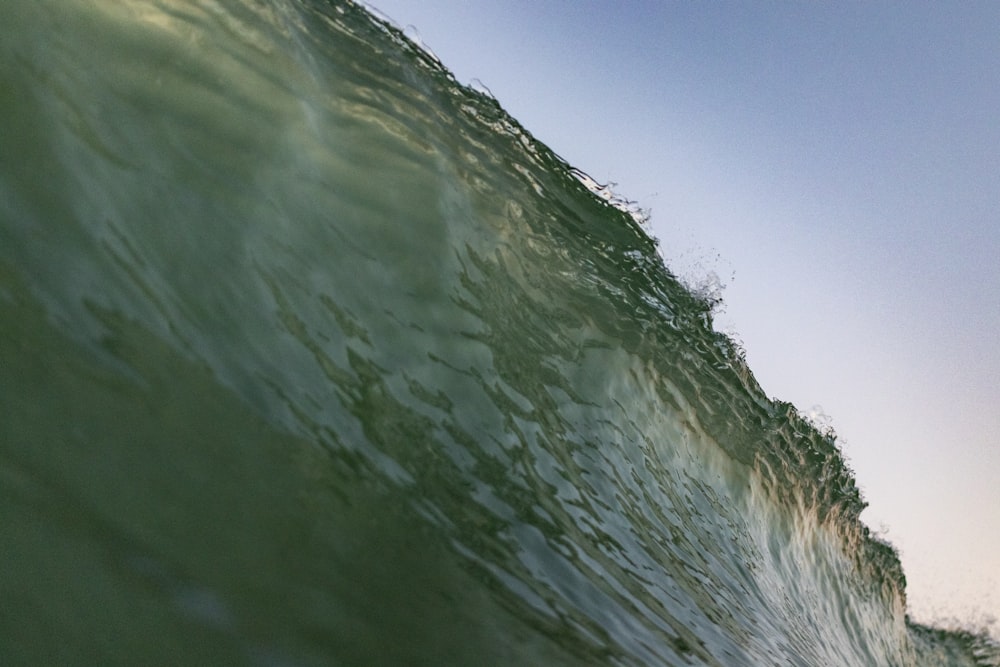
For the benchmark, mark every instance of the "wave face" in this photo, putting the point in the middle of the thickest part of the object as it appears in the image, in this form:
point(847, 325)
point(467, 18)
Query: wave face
point(312, 356)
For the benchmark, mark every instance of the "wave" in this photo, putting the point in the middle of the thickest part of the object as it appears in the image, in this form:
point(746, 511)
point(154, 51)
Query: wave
point(313, 355)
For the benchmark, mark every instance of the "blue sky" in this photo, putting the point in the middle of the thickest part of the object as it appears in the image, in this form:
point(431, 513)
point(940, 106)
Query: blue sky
point(838, 168)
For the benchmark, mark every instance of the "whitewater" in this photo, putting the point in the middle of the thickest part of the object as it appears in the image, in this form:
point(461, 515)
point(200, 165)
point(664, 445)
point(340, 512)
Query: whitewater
point(310, 355)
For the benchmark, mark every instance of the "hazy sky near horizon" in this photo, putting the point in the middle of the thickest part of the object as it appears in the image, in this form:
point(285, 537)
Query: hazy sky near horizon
point(838, 168)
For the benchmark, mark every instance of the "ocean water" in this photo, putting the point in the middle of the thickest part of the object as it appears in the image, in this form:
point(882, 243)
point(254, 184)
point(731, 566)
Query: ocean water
point(310, 355)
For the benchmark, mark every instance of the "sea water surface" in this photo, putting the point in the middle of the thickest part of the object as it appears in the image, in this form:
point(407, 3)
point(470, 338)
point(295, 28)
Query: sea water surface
point(310, 355)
